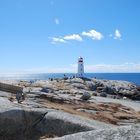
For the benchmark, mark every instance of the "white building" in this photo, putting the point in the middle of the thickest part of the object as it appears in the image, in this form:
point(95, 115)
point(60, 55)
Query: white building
point(80, 67)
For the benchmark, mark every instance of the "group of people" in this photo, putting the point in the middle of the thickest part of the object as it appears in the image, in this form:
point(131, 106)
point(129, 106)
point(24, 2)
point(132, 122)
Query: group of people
point(65, 77)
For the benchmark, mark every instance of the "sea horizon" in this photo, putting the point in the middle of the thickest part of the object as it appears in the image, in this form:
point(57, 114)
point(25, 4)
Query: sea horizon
point(130, 77)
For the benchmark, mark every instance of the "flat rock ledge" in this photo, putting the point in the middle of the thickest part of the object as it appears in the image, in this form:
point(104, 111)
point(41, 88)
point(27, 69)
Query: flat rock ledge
point(120, 133)
point(22, 122)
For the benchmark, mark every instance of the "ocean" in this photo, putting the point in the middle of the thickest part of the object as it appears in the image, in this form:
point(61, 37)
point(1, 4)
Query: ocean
point(131, 77)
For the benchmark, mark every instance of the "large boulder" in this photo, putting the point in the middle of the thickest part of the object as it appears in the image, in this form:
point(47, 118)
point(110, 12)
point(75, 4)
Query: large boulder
point(19, 121)
point(91, 86)
point(110, 90)
point(60, 123)
point(121, 88)
point(102, 89)
point(46, 90)
point(103, 94)
point(86, 96)
point(138, 88)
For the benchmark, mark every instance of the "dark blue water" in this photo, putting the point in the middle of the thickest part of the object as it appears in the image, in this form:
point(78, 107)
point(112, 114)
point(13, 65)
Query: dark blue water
point(131, 77)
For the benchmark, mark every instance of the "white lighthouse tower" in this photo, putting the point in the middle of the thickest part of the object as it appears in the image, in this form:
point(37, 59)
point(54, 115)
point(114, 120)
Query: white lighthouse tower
point(80, 67)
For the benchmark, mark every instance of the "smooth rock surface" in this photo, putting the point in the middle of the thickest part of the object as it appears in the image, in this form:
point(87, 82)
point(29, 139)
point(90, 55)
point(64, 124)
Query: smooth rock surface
point(120, 133)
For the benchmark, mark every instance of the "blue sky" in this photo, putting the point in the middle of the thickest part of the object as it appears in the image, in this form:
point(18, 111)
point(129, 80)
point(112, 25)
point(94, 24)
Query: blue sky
point(50, 35)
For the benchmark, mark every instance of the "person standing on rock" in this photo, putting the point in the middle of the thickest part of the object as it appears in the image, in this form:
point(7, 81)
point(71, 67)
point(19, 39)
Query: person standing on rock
point(19, 97)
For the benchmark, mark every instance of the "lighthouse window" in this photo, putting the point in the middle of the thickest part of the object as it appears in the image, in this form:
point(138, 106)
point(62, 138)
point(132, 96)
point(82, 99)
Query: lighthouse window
point(81, 69)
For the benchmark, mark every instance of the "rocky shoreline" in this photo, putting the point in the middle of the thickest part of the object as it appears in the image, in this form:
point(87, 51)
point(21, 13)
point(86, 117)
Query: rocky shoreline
point(80, 108)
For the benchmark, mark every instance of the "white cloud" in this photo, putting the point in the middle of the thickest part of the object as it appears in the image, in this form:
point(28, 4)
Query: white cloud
point(126, 67)
point(57, 21)
point(68, 37)
point(117, 34)
point(93, 34)
point(73, 37)
point(60, 40)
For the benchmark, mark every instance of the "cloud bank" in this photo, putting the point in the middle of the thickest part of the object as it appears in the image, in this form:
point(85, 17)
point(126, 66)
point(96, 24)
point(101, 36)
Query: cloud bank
point(103, 68)
point(73, 37)
point(97, 68)
point(66, 38)
point(120, 68)
point(55, 40)
point(93, 35)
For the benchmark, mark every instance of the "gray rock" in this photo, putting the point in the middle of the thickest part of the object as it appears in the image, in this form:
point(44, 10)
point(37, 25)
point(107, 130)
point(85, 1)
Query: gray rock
point(17, 120)
point(103, 94)
point(46, 90)
point(60, 123)
point(76, 80)
point(121, 88)
point(86, 96)
point(91, 86)
point(95, 94)
point(78, 86)
point(111, 90)
point(102, 89)
point(30, 121)
point(138, 88)
point(5, 94)
point(120, 133)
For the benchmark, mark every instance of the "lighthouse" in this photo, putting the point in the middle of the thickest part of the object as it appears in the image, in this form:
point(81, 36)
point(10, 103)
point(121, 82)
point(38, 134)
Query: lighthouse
point(80, 67)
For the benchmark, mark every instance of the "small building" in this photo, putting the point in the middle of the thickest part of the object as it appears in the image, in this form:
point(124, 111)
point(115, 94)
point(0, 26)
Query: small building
point(80, 67)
